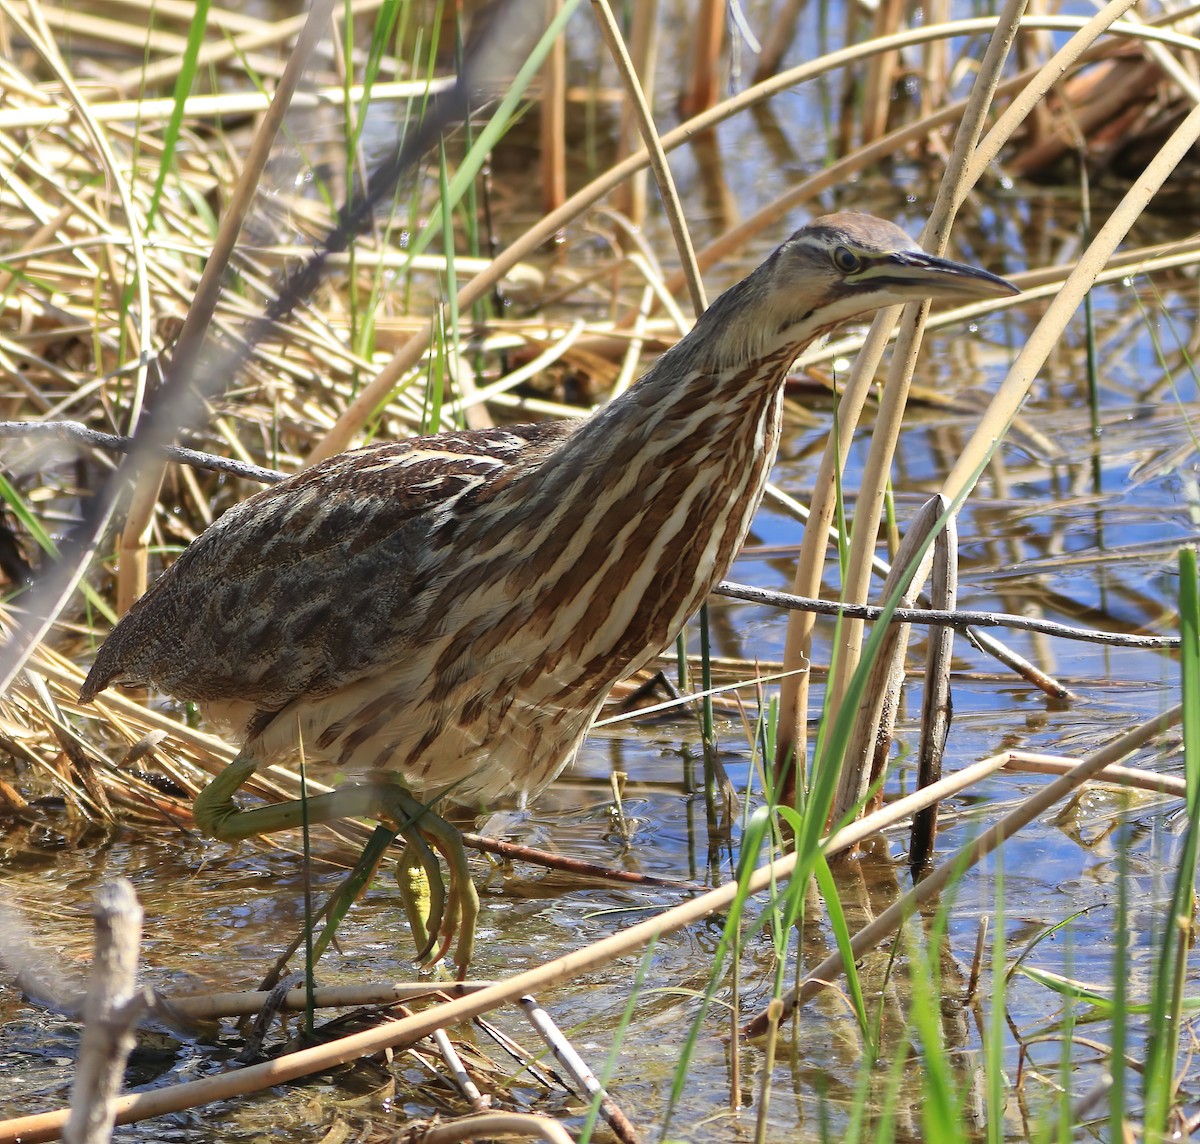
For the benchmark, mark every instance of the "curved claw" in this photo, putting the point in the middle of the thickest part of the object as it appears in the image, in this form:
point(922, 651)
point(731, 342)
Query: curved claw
point(451, 911)
point(462, 893)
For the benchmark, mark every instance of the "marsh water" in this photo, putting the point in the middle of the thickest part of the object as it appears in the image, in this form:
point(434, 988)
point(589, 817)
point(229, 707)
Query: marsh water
point(1068, 524)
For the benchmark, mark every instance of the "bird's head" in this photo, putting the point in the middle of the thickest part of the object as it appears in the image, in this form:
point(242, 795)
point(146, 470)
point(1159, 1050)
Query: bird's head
point(841, 266)
point(836, 268)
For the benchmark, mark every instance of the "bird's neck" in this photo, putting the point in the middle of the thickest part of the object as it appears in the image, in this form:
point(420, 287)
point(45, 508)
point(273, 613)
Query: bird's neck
point(716, 393)
point(673, 472)
point(633, 519)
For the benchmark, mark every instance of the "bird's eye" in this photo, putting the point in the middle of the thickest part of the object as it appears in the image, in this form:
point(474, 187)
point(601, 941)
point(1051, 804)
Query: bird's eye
point(846, 260)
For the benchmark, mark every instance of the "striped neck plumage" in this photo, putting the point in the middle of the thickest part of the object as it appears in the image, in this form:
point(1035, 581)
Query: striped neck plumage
point(738, 332)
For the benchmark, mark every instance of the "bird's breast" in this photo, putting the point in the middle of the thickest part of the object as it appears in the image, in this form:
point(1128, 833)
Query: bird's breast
point(537, 616)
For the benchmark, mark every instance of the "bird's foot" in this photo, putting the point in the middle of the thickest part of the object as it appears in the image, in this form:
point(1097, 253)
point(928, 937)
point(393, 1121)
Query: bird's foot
point(433, 911)
point(445, 914)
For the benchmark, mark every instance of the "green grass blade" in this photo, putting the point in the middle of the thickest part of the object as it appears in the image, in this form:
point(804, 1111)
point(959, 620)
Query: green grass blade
point(842, 935)
point(183, 88)
point(495, 128)
point(1116, 1067)
point(995, 1081)
point(1167, 998)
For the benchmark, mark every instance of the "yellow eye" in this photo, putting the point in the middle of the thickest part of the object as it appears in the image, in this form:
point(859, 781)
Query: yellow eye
point(846, 260)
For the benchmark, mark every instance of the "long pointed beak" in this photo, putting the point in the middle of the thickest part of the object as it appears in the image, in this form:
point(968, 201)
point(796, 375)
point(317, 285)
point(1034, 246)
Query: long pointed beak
point(937, 277)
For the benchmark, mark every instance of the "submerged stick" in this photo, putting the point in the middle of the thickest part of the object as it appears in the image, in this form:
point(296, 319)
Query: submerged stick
point(936, 704)
point(111, 1012)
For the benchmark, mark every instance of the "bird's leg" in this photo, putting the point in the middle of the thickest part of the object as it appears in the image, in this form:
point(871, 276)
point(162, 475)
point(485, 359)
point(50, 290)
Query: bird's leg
point(218, 815)
point(213, 807)
point(415, 868)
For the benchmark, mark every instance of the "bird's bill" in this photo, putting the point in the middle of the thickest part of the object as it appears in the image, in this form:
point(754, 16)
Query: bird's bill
point(927, 274)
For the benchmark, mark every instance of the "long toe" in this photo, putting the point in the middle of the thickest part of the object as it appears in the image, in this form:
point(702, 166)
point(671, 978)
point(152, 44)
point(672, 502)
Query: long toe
point(449, 913)
point(423, 892)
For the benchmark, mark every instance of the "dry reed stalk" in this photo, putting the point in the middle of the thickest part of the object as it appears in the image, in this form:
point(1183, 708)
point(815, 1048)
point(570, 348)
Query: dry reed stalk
point(223, 20)
point(631, 362)
point(553, 125)
point(882, 71)
point(213, 1006)
point(865, 760)
point(935, 61)
point(1029, 360)
point(125, 34)
point(494, 1124)
point(270, 34)
point(658, 159)
point(708, 36)
point(112, 1009)
point(37, 33)
point(204, 108)
point(630, 197)
point(1033, 50)
point(885, 433)
point(936, 696)
point(778, 39)
point(1133, 778)
point(794, 693)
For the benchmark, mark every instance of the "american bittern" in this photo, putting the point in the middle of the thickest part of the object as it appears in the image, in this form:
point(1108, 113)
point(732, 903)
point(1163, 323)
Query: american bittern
point(448, 613)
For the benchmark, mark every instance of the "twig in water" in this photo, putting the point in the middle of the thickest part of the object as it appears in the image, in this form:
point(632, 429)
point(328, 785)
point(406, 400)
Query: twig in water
point(514, 851)
point(458, 1070)
point(936, 702)
point(489, 1125)
point(111, 1010)
point(211, 1006)
point(953, 619)
point(579, 1072)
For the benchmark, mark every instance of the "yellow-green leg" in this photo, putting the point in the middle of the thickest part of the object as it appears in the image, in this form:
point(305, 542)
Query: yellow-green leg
point(218, 815)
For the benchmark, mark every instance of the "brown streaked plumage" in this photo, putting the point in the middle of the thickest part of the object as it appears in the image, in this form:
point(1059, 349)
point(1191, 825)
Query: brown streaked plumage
point(454, 609)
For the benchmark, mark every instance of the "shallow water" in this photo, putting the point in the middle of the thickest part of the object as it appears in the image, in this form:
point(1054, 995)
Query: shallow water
point(215, 919)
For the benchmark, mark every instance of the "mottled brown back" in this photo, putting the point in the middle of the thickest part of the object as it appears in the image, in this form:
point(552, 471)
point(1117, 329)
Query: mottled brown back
point(300, 588)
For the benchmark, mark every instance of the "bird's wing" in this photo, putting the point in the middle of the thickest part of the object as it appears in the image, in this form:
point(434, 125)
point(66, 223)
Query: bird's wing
point(287, 593)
